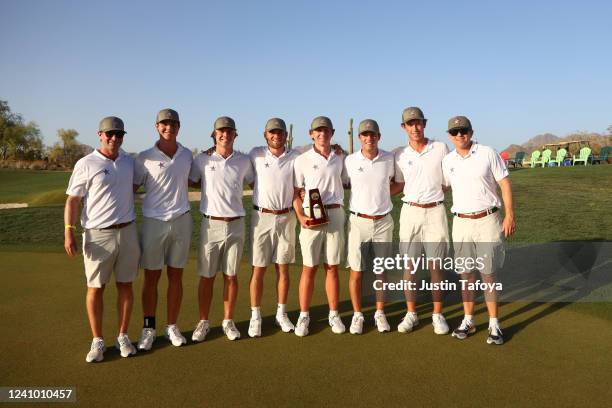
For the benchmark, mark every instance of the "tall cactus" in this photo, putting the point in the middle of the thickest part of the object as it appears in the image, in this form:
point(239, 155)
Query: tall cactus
point(350, 136)
point(290, 137)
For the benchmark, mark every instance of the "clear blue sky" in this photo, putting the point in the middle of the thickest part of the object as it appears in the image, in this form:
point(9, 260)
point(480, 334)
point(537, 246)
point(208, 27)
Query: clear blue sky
point(516, 68)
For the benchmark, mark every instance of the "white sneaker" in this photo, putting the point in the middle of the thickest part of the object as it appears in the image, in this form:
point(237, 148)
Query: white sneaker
point(174, 335)
point(201, 330)
point(147, 337)
point(230, 330)
point(255, 327)
point(96, 352)
point(301, 328)
point(125, 346)
point(381, 322)
point(336, 324)
point(439, 324)
point(408, 323)
point(356, 324)
point(284, 323)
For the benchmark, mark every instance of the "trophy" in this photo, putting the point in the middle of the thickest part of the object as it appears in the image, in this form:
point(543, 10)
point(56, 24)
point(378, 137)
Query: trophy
point(316, 209)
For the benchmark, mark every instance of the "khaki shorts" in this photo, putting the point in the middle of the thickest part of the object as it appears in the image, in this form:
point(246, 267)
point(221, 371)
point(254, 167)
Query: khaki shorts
point(220, 247)
point(165, 242)
point(325, 243)
point(362, 232)
point(273, 238)
point(424, 230)
point(481, 239)
point(105, 251)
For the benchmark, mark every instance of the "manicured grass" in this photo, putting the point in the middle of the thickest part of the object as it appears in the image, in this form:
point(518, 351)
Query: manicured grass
point(555, 354)
point(35, 187)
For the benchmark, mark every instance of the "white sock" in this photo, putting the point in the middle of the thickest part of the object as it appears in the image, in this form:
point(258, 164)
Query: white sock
point(281, 309)
point(97, 338)
point(493, 322)
point(413, 314)
point(170, 325)
point(226, 321)
point(333, 313)
point(379, 312)
point(255, 312)
point(358, 314)
point(304, 314)
point(436, 315)
point(469, 318)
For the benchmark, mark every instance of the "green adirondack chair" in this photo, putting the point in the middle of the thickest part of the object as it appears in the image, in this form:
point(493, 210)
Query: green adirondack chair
point(544, 158)
point(535, 155)
point(603, 156)
point(559, 158)
point(583, 156)
point(518, 159)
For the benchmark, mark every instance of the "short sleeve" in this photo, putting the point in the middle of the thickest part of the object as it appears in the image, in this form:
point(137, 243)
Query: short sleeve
point(249, 176)
point(298, 174)
point(498, 167)
point(445, 175)
point(77, 186)
point(195, 174)
point(344, 175)
point(399, 174)
point(139, 171)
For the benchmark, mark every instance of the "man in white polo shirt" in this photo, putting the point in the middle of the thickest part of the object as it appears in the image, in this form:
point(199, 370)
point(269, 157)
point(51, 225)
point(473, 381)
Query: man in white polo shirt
point(322, 168)
point(370, 171)
point(423, 222)
point(474, 172)
point(221, 177)
point(163, 170)
point(273, 221)
point(102, 183)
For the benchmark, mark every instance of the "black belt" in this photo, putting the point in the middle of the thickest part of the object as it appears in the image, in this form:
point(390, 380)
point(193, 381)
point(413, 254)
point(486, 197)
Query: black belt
point(226, 219)
point(117, 226)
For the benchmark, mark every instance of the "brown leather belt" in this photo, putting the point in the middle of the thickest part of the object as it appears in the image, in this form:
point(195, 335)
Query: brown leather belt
point(117, 226)
point(226, 219)
point(426, 205)
point(370, 217)
point(269, 211)
point(330, 206)
point(478, 215)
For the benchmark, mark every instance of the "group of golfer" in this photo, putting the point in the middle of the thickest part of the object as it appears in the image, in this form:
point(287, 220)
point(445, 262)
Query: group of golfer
point(284, 182)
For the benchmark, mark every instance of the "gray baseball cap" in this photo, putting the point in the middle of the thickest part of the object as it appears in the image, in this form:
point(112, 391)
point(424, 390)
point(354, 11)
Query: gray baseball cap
point(321, 121)
point(276, 123)
point(459, 122)
point(225, 122)
point(368, 125)
point(167, 114)
point(412, 113)
point(111, 123)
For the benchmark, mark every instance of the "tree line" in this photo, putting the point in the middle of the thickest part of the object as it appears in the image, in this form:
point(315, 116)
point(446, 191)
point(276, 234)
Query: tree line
point(21, 144)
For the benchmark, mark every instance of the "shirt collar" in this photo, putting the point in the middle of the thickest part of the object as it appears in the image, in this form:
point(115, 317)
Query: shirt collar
point(427, 148)
point(362, 157)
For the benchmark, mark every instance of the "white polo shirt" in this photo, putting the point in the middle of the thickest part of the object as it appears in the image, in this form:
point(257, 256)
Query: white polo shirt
point(222, 181)
point(370, 182)
point(106, 187)
point(474, 178)
point(273, 187)
point(165, 182)
point(421, 172)
point(313, 170)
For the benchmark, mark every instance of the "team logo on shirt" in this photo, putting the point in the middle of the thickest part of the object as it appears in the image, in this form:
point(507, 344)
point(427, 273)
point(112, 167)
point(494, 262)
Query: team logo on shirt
point(267, 164)
point(315, 167)
point(410, 162)
point(106, 171)
point(360, 169)
point(452, 170)
point(161, 164)
point(212, 168)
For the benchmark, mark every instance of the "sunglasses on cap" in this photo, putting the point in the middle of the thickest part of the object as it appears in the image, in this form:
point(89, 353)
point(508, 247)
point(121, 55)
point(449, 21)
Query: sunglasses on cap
point(117, 133)
point(462, 131)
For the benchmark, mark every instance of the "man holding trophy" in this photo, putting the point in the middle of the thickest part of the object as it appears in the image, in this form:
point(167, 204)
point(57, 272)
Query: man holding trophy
point(320, 172)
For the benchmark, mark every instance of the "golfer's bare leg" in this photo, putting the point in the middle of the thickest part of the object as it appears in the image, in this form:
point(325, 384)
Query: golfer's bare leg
point(205, 289)
point(256, 285)
point(149, 291)
point(467, 295)
point(95, 307)
point(125, 301)
point(230, 292)
point(355, 290)
point(306, 286)
point(490, 296)
point(282, 282)
point(175, 293)
point(332, 285)
point(410, 294)
point(436, 277)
